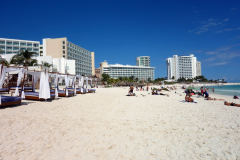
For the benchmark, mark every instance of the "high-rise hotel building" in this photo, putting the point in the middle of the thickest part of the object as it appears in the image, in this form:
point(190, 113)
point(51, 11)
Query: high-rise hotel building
point(183, 66)
point(118, 70)
point(143, 61)
point(14, 46)
point(62, 48)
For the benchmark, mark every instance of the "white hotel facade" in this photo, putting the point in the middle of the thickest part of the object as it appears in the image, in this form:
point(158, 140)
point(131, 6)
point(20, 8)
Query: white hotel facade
point(65, 56)
point(117, 70)
point(183, 66)
point(14, 46)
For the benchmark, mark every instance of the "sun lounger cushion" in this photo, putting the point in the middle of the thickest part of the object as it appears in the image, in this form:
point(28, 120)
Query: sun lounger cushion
point(35, 94)
point(9, 99)
point(28, 88)
point(62, 91)
point(4, 89)
point(15, 87)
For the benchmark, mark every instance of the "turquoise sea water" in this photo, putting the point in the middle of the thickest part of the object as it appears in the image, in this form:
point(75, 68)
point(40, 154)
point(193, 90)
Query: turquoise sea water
point(229, 90)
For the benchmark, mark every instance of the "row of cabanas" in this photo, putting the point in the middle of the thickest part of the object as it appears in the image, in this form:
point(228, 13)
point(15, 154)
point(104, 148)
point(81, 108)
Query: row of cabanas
point(74, 84)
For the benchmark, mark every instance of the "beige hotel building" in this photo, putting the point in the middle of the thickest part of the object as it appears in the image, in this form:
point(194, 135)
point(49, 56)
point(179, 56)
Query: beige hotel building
point(62, 48)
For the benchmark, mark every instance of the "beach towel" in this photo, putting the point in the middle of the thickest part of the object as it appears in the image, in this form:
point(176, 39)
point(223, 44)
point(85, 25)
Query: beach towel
point(194, 101)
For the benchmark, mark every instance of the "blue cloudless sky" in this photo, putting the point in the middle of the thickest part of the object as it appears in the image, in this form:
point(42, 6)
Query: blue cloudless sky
point(121, 30)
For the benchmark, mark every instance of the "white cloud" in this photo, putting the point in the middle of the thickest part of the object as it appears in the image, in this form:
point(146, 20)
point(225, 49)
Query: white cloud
point(211, 53)
point(210, 24)
point(237, 37)
point(225, 48)
point(227, 30)
point(222, 56)
point(229, 55)
point(209, 59)
point(225, 20)
point(219, 64)
point(230, 29)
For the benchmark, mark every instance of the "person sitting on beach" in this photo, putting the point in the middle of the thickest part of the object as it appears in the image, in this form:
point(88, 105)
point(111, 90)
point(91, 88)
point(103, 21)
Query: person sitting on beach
point(188, 98)
point(192, 91)
point(154, 93)
point(209, 98)
point(206, 94)
point(130, 91)
point(231, 104)
point(235, 97)
point(202, 91)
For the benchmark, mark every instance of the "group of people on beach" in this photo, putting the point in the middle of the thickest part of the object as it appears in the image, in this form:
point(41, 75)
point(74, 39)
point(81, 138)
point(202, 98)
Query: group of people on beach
point(203, 93)
point(154, 92)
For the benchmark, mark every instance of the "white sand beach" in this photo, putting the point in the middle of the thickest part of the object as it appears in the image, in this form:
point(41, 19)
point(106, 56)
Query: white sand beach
point(110, 125)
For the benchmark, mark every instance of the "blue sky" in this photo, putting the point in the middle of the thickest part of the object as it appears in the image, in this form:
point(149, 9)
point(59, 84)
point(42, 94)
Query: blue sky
point(120, 30)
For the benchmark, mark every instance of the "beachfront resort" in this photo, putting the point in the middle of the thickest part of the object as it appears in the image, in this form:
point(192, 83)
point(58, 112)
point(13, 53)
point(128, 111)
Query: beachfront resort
point(56, 112)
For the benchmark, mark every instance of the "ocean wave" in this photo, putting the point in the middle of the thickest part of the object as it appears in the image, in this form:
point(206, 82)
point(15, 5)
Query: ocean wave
point(228, 90)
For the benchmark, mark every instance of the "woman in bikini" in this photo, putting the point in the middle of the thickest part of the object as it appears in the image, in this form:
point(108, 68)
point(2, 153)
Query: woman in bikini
point(231, 104)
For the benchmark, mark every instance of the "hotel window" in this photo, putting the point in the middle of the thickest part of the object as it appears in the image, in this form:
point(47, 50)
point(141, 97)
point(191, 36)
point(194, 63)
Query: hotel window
point(63, 47)
point(63, 56)
point(63, 42)
point(63, 52)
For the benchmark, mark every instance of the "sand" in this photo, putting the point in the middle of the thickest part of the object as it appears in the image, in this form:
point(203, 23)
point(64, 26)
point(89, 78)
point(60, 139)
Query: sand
point(109, 125)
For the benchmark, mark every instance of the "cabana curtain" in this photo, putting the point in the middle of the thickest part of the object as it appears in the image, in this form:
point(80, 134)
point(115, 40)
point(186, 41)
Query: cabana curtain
point(73, 84)
point(67, 79)
point(44, 91)
point(2, 78)
point(56, 84)
point(35, 79)
point(20, 75)
point(44, 86)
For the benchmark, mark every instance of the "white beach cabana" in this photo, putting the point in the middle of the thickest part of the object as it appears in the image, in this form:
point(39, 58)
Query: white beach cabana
point(44, 88)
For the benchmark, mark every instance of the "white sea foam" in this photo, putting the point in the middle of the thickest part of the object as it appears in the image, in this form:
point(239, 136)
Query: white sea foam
point(228, 91)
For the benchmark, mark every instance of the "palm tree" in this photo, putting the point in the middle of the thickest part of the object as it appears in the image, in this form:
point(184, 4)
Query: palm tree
point(136, 79)
point(24, 58)
point(120, 78)
point(131, 78)
point(46, 64)
point(4, 61)
point(149, 79)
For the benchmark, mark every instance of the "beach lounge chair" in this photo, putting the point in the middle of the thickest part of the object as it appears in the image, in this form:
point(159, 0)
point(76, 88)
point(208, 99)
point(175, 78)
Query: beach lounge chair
point(28, 88)
point(8, 101)
point(62, 93)
point(4, 90)
point(92, 90)
point(78, 90)
point(35, 96)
